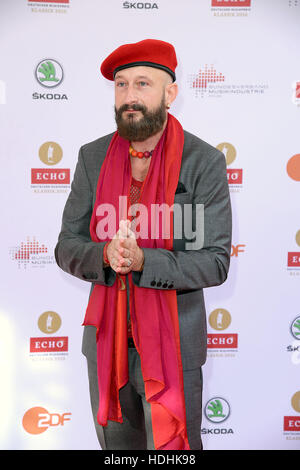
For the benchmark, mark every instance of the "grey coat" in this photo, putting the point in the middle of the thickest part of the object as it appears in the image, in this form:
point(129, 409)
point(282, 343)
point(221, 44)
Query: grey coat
point(202, 180)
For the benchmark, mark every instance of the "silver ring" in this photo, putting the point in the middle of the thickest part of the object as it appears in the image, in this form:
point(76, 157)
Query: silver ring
point(129, 262)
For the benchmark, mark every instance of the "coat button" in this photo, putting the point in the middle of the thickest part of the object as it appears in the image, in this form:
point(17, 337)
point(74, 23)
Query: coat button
point(170, 286)
point(158, 284)
point(165, 285)
point(152, 283)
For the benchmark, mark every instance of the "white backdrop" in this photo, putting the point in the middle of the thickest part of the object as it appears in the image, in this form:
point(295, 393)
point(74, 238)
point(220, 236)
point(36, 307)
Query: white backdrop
point(238, 75)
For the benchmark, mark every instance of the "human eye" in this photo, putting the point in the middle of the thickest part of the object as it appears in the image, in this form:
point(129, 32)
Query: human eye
point(120, 84)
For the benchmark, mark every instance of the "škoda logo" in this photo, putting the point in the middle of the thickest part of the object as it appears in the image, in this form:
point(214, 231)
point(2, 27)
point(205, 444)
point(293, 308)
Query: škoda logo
point(49, 73)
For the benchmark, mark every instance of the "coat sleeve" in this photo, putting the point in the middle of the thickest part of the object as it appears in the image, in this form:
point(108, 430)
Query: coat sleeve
point(209, 265)
point(75, 252)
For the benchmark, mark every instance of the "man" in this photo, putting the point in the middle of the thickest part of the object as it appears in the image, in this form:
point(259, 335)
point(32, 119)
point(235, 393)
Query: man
point(145, 325)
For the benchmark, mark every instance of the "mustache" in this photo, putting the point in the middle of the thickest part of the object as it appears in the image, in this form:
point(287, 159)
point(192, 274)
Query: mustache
point(134, 107)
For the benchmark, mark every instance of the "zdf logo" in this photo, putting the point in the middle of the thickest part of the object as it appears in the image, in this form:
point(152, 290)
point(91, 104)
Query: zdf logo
point(37, 420)
point(236, 249)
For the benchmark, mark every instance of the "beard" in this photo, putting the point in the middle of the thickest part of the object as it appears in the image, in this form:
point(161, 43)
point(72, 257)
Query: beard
point(139, 130)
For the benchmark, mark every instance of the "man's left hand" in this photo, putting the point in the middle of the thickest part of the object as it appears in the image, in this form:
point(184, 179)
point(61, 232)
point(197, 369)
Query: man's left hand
point(131, 256)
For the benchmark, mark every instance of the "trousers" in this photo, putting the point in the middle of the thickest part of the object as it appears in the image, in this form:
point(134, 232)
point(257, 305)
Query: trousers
point(135, 433)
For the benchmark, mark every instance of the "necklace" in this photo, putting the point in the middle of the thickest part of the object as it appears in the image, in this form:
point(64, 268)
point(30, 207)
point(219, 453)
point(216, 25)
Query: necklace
point(134, 153)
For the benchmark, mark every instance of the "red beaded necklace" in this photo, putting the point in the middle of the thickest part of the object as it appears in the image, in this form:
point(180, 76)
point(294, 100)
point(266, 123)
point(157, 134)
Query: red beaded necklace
point(134, 153)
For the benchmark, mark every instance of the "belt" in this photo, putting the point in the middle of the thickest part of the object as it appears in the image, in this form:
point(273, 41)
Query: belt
point(131, 343)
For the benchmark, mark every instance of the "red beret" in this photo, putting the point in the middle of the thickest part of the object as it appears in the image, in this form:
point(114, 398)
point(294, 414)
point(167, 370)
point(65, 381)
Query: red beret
point(150, 53)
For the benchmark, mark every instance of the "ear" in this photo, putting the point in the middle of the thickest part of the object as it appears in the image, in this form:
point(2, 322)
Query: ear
point(171, 92)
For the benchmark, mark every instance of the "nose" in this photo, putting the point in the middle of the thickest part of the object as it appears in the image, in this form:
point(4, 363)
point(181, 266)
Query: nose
point(131, 96)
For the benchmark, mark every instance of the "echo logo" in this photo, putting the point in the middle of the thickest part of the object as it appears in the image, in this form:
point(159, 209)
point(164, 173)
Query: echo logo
point(49, 1)
point(231, 3)
point(292, 423)
point(234, 176)
point(49, 322)
point(37, 420)
point(293, 260)
point(220, 319)
point(217, 341)
point(49, 344)
point(50, 153)
point(55, 176)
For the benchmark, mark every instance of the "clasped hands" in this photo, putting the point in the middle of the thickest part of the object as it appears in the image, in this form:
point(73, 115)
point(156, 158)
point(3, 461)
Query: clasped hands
point(123, 252)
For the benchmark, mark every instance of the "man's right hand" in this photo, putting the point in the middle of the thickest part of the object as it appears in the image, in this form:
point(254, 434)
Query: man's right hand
point(117, 255)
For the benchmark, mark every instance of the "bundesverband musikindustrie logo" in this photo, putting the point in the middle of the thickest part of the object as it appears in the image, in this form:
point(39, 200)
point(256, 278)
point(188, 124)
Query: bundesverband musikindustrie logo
point(31, 254)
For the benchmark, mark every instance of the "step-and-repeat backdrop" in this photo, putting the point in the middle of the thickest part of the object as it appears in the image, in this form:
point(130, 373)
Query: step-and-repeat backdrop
point(239, 81)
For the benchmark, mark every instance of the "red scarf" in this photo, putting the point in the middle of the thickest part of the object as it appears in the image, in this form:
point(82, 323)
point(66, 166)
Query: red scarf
point(154, 313)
